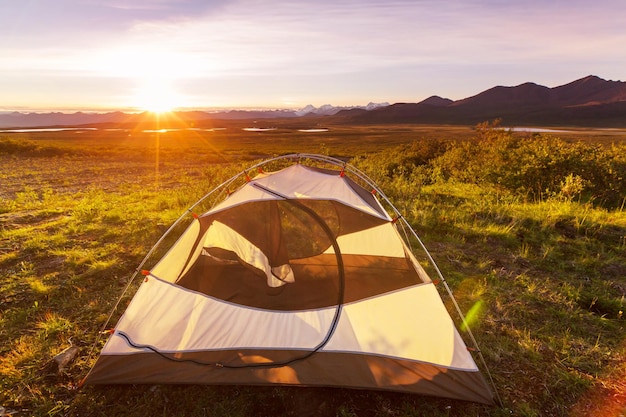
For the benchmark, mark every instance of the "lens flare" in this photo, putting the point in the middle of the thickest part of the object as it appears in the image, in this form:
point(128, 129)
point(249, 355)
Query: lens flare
point(473, 315)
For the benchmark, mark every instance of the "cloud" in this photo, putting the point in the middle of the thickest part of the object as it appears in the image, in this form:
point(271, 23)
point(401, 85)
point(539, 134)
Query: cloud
point(403, 48)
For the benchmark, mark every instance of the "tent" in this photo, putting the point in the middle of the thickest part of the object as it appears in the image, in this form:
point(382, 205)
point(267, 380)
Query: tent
point(301, 276)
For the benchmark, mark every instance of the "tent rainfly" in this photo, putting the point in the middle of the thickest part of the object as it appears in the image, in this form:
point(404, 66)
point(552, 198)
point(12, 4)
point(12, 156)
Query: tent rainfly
point(299, 277)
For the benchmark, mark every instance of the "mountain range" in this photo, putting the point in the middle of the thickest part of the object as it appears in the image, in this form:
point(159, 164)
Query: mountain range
point(590, 101)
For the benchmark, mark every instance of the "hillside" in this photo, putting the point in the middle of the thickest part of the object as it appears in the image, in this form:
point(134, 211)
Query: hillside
point(589, 101)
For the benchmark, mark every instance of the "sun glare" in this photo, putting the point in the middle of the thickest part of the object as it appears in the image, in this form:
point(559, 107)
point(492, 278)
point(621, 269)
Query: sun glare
point(157, 96)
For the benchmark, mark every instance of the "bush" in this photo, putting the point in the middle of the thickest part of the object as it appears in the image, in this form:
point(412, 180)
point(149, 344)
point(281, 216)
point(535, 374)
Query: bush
point(24, 147)
point(536, 167)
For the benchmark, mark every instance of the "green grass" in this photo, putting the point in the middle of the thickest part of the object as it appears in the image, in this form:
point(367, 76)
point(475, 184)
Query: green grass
point(541, 281)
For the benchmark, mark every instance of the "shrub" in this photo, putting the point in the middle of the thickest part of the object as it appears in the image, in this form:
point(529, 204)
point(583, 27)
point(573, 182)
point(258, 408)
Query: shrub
point(24, 147)
point(536, 167)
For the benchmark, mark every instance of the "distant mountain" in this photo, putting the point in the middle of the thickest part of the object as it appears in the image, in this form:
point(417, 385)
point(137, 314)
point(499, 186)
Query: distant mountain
point(25, 120)
point(590, 90)
point(589, 101)
point(330, 110)
point(182, 118)
point(437, 101)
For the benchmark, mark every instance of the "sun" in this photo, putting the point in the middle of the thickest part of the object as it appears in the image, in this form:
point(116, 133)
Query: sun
point(156, 75)
point(157, 95)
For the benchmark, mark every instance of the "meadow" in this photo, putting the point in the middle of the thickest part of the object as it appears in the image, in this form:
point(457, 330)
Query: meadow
point(530, 227)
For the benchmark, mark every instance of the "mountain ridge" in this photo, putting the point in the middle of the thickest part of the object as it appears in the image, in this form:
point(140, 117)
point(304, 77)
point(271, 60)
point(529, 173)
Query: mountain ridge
point(588, 101)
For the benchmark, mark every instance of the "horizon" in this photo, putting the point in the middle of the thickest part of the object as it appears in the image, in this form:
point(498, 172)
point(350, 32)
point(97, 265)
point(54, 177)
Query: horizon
point(76, 55)
point(27, 111)
point(136, 110)
point(174, 110)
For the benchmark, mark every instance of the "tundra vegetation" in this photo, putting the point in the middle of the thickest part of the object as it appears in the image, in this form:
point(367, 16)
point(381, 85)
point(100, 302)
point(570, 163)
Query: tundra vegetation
point(529, 230)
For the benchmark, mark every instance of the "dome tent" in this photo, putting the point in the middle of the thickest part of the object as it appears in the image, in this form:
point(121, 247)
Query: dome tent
point(299, 277)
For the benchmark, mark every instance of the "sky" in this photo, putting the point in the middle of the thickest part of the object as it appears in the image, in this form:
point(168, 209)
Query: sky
point(102, 55)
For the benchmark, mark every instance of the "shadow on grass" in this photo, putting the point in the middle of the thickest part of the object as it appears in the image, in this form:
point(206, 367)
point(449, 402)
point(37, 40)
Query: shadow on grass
point(234, 401)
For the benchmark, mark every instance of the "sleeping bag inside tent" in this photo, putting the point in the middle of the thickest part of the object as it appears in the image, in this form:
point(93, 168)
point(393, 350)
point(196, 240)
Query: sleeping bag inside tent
point(299, 277)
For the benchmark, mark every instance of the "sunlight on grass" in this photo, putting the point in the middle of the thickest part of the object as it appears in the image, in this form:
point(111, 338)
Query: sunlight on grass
point(42, 240)
point(26, 269)
point(15, 363)
point(53, 324)
point(102, 265)
point(8, 206)
point(527, 342)
point(77, 256)
point(504, 231)
point(39, 286)
point(525, 250)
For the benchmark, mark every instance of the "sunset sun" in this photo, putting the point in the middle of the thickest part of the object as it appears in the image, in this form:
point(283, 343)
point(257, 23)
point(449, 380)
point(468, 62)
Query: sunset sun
point(157, 96)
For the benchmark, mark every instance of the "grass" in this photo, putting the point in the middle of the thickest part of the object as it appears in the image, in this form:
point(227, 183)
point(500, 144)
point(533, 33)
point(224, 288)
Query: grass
point(542, 283)
point(540, 270)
